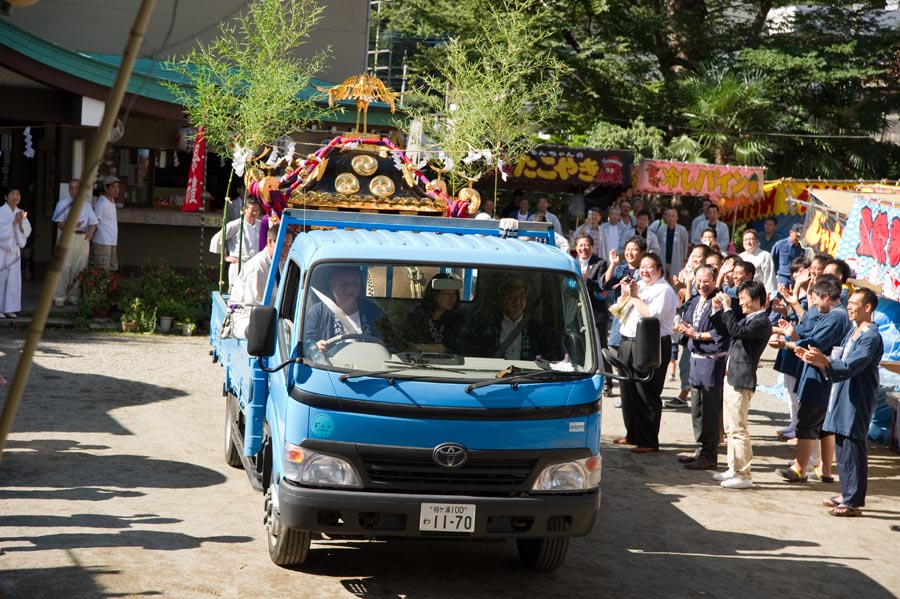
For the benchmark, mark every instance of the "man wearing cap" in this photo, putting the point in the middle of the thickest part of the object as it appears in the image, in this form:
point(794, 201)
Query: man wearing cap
point(67, 287)
point(106, 237)
point(784, 252)
point(241, 241)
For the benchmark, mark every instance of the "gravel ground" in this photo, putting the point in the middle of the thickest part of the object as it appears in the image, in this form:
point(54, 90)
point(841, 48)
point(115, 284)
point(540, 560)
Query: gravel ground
point(114, 485)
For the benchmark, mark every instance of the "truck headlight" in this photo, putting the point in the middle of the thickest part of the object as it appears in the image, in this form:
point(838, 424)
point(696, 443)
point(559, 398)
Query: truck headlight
point(577, 475)
point(308, 467)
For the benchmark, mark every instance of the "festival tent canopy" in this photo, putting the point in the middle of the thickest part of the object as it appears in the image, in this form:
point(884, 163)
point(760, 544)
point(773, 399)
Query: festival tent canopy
point(863, 228)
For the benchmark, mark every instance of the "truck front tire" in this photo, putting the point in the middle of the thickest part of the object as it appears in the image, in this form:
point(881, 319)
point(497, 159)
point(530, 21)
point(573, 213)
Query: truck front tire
point(543, 555)
point(287, 546)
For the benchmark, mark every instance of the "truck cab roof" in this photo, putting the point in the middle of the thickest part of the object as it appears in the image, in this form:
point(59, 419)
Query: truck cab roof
point(342, 244)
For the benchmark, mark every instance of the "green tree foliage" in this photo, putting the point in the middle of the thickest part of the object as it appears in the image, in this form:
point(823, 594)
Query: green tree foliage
point(823, 76)
point(490, 90)
point(643, 140)
point(246, 87)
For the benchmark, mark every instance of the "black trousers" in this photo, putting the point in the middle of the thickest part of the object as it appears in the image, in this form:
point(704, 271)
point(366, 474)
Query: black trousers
point(603, 334)
point(853, 469)
point(642, 401)
point(706, 416)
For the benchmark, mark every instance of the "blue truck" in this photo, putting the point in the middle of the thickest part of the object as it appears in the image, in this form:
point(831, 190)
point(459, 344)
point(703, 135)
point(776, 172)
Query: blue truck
point(380, 420)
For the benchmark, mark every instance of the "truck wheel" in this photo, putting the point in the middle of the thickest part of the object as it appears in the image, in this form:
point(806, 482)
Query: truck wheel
point(543, 555)
point(232, 457)
point(287, 546)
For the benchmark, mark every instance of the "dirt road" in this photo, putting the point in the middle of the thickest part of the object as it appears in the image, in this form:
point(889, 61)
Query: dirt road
point(114, 485)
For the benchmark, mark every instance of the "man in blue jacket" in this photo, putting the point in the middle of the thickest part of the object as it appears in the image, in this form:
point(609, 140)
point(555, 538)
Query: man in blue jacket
point(784, 252)
point(853, 367)
point(749, 334)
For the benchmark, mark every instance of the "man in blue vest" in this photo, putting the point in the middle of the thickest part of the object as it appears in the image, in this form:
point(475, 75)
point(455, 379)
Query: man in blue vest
point(708, 349)
point(853, 367)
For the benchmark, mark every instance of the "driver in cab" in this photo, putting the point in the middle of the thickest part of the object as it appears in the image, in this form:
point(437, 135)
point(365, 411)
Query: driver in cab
point(342, 312)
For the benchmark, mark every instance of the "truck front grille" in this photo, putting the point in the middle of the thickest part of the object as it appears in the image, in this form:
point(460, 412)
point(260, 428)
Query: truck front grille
point(420, 473)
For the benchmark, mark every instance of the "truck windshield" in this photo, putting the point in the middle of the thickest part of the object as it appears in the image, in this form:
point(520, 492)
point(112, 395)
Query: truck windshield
point(445, 322)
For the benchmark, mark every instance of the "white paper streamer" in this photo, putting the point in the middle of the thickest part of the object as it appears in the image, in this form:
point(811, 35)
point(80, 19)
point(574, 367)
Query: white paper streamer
point(29, 150)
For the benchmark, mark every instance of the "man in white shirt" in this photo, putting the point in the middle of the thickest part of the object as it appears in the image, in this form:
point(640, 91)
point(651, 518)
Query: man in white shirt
point(241, 241)
point(698, 225)
point(625, 214)
point(106, 237)
point(68, 287)
point(673, 243)
point(612, 233)
point(250, 286)
point(765, 267)
point(542, 211)
point(723, 237)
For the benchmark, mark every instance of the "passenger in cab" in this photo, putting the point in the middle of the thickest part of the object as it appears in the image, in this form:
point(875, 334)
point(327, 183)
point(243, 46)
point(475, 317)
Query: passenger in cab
point(515, 335)
point(435, 324)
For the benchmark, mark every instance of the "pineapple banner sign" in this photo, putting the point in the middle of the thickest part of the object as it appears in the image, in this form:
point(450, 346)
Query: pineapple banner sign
point(715, 181)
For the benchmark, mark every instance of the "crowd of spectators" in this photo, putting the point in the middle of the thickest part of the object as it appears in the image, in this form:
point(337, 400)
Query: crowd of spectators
point(718, 309)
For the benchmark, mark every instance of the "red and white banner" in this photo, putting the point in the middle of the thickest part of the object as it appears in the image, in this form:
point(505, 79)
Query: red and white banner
point(193, 197)
point(715, 181)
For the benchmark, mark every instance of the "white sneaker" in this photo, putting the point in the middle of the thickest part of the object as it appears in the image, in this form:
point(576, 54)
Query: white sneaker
point(59, 303)
point(735, 482)
point(720, 476)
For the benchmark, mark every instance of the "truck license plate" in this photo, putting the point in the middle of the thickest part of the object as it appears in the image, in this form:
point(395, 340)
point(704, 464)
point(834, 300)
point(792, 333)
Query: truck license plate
point(447, 517)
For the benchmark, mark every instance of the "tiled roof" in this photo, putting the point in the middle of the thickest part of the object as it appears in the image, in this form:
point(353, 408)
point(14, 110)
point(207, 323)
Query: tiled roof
point(148, 75)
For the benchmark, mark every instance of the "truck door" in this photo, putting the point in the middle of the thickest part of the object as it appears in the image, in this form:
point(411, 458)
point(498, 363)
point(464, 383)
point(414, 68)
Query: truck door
point(270, 391)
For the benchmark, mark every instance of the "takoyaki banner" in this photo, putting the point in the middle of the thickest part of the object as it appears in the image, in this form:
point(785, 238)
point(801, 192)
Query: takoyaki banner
point(870, 243)
point(561, 168)
point(715, 181)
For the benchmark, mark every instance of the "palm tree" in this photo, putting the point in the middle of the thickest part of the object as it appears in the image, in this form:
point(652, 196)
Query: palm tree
point(722, 108)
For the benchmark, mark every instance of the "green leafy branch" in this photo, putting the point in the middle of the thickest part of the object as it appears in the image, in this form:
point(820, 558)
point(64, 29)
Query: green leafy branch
point(491, 92)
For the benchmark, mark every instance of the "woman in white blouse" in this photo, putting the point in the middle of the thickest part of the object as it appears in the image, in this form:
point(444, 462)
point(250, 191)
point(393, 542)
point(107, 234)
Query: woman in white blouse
point(641, 401)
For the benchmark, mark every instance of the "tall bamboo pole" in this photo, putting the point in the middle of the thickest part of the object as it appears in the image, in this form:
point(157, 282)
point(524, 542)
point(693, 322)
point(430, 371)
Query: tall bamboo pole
point(95, 153)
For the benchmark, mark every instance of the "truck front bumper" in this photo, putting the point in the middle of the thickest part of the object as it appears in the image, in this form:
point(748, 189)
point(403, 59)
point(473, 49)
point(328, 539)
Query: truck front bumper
point(394, 514)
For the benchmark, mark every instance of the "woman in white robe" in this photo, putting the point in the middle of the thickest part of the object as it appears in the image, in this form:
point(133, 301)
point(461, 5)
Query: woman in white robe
point(14, 232)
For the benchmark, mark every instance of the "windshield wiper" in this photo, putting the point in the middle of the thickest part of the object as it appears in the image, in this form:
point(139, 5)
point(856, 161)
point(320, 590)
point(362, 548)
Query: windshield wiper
point(513, 375)
point(402, 366)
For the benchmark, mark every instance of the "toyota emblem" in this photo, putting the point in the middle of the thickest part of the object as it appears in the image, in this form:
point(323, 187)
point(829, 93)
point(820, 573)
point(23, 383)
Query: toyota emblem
point(450, 455)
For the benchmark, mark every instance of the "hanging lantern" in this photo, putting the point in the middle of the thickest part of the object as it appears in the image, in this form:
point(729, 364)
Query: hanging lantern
point(184, 139)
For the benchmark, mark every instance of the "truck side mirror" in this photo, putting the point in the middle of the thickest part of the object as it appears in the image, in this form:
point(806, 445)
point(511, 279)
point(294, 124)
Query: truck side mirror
point(261, 331)
point(646, 345)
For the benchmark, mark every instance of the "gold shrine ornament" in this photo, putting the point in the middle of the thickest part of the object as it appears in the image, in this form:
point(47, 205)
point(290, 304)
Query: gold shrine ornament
point(346, 184)
point(382, 186)
point(467, 194)
point(364, 165)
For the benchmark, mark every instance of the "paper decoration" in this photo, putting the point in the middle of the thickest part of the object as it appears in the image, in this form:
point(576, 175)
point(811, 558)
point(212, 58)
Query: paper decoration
point(29, 150)
point(241, 155)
